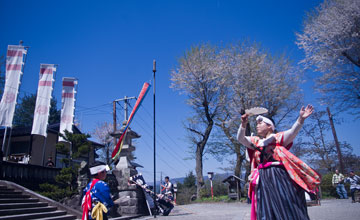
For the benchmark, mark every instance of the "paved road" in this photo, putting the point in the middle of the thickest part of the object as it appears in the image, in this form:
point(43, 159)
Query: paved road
point(329, 210)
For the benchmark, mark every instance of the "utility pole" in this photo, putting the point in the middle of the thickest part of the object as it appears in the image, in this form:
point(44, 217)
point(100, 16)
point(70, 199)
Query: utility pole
point(126, 102)
point(336, 141)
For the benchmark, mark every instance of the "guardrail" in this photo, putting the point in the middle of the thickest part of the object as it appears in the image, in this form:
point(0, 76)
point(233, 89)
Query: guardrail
point(27, 174)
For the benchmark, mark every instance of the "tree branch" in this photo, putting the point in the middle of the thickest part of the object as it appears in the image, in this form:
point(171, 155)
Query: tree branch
point(351, 59)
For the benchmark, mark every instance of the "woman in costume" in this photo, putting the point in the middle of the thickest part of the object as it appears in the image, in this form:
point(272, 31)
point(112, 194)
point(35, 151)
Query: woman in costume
point(278, 178)
point(97, 198)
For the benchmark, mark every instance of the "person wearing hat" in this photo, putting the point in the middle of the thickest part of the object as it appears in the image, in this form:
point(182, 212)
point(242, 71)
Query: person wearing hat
point(96, 195)
point(278, 178)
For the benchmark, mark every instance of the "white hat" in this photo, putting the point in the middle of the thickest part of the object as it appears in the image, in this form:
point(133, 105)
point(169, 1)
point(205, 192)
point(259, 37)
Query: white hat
point(266, 120)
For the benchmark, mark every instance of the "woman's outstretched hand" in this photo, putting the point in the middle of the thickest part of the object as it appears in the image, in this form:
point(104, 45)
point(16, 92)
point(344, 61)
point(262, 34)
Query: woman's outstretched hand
point(244, 120)
point(305, 112)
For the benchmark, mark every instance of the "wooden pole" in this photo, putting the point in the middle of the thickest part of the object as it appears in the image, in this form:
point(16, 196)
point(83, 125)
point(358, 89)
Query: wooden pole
point(336, 141)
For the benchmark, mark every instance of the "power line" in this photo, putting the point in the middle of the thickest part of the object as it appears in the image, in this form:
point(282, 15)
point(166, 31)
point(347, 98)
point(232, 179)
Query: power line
point(185, 165)
point(159, 126)
point(171, 153)
point(146, 130)
point(164, 142)
point(97, 108)
point(146, 144)
point(163, 130)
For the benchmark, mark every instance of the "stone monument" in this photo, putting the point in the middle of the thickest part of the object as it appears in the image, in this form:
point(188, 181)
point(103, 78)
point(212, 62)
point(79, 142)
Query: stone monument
point(131, 199)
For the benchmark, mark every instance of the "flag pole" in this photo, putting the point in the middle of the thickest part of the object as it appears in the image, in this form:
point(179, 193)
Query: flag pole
point(3, 145)
point(47, 125)
point(22, 72)
point(154, 70)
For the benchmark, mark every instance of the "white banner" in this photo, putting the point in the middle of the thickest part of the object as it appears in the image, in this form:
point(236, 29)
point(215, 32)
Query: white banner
point(43, 99)
point(14, 63)
point(68, 105)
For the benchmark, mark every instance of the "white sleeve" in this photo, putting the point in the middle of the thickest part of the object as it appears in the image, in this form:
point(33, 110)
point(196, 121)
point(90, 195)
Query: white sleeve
point(244, 140)
point(289, 135)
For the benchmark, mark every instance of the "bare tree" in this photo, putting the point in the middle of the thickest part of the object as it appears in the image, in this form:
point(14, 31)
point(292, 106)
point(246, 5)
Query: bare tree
point(254, 78)
point(197, 76)
point(331, 42)
point(102, 133)
point(315, 145)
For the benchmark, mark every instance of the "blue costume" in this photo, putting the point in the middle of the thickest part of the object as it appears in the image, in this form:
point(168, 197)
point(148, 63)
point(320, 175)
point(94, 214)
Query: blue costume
point(100, 192)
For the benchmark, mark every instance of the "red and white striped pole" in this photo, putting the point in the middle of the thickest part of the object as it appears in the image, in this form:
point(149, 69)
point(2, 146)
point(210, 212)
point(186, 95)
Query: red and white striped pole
point(211, 175)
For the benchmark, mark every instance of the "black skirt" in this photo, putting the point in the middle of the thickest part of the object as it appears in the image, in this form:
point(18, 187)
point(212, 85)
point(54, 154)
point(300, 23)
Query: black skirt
point(278, 197)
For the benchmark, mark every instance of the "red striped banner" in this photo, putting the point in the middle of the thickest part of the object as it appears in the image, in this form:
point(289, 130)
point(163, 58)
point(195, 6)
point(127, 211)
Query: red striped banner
point(10, 67)
point(45, 83)
point(43, 99)
point(14, 64)
point(46, 70)
point(14, 53)
point(68, 105)
point(68, 83)
point(68, 95)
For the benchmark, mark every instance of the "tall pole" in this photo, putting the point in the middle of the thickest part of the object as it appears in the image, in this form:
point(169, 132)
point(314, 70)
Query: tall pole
point(3, 145)
point(336, 141)
point(114, 120)
point(154, 70)
point(45, 138)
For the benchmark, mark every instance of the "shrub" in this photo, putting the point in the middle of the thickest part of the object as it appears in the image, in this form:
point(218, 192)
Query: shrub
point(54, 192)
point(327, 190)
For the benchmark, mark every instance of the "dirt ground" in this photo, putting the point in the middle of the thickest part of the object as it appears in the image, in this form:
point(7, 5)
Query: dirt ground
point(328, 210)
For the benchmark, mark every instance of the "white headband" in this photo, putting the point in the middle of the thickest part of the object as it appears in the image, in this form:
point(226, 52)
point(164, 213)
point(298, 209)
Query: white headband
point(98, 169)
point(266, 120)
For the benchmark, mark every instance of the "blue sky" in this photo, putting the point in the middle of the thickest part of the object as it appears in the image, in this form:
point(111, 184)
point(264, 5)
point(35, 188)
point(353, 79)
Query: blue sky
point(110, 46)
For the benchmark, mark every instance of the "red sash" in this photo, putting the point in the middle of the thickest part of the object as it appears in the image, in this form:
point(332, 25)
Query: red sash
point(86, 205)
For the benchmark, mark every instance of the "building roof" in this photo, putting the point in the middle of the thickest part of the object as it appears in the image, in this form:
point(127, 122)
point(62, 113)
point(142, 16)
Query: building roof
point(232, 178)
point(54, 128)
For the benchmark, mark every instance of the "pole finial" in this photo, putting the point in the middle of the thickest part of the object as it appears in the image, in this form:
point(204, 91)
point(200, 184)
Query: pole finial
point(154, 66)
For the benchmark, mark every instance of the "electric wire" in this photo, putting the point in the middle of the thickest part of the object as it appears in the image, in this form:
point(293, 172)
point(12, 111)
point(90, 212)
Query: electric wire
point(162, 129)
point(168, 151)
point(171, 153)
point(146, 143)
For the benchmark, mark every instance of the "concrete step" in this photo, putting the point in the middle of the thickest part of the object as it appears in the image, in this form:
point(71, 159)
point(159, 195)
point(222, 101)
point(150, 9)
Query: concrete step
point(17, 200)
point(39, 215)
point(6, 189)
point(27, 210)
point(6, 196)
point(9, 191)
point(22, 205)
